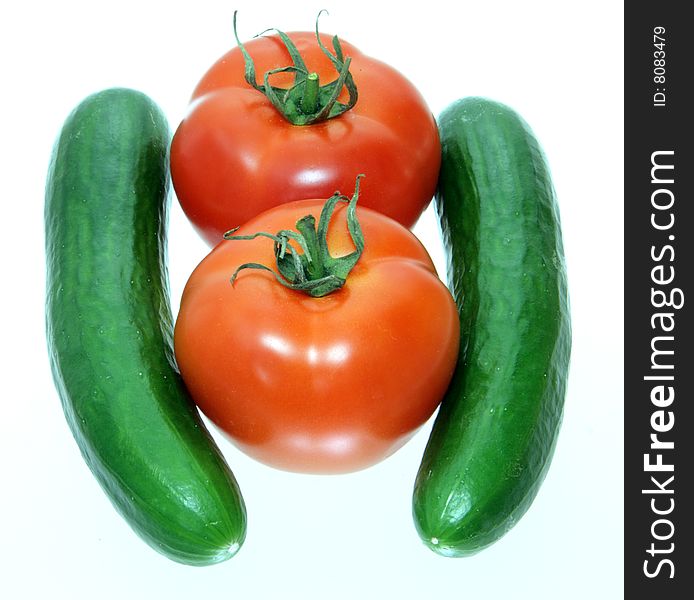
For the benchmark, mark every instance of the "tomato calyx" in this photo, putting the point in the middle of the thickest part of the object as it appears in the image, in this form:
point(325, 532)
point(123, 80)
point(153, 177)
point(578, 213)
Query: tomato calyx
point(314, 271)
point(306, 102)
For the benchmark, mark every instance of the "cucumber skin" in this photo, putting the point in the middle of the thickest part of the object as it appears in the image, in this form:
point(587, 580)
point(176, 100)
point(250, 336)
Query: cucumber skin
point(494, 437)
point(109, 332)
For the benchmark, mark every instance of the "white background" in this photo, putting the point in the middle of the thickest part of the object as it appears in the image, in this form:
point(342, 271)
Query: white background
point(559, 65)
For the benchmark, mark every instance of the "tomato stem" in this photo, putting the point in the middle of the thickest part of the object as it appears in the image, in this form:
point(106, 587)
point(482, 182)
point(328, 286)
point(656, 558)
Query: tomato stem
point(309, 100)
point(306, 102)
point(314, 271)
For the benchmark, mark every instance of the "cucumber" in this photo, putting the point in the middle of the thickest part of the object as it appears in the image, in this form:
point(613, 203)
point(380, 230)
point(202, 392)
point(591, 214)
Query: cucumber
point(493, 439)
point(109, 332)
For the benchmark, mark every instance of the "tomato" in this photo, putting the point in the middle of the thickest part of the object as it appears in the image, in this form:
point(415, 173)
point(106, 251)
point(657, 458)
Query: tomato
point(234, 155)
point(318, 384)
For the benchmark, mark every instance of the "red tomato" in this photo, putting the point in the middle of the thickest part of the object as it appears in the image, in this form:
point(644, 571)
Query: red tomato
point(234, 155)
point(321, 385)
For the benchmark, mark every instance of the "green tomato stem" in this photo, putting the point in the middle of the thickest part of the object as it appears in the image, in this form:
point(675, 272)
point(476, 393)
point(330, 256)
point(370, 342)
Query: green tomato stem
point(306, 102)
point(314, 271)
point(309, 101)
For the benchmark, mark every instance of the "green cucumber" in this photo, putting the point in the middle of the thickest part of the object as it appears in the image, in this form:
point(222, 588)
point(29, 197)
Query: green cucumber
point(493, 439)
point(109, 332)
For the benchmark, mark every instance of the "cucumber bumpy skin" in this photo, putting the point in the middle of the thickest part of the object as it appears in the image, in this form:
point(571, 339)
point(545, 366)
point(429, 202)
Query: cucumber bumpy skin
point(109, 331)
point(494, 437)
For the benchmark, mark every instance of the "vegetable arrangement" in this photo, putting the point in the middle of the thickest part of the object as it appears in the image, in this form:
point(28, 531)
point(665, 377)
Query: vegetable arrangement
point(316, 333)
